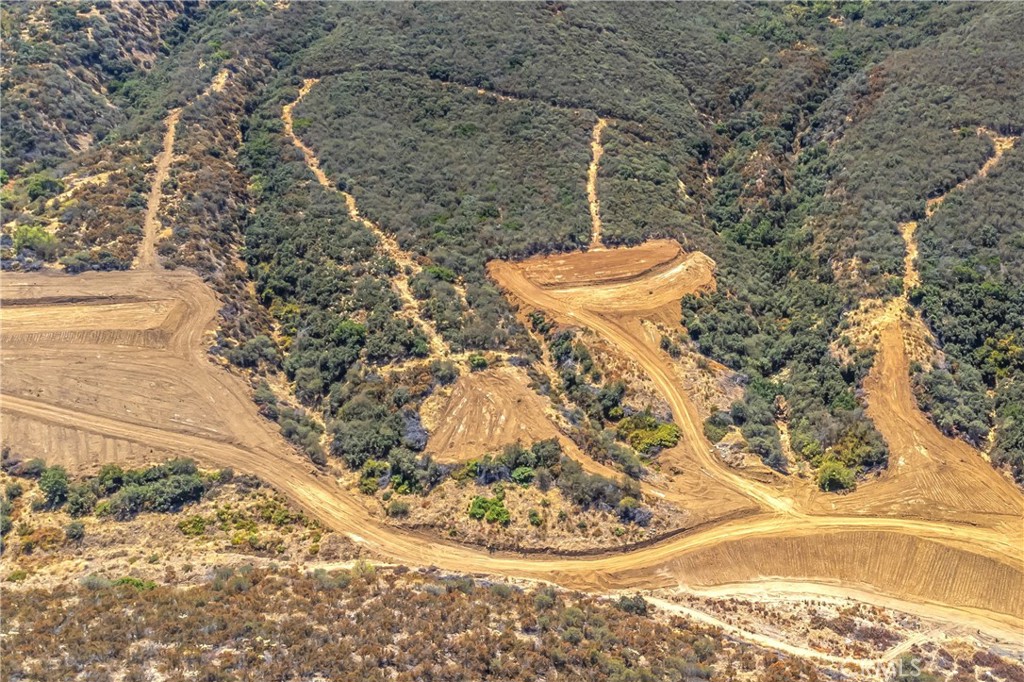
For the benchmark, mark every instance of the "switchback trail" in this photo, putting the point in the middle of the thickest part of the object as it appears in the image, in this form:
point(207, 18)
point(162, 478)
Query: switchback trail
point(389, 246)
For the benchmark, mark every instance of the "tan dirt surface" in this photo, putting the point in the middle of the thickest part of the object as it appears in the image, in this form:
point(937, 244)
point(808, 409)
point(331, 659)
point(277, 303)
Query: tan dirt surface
point(595, 204)
point(929, 475)
point(489, 409)
point(911, 278)
point(581, 268)
point(151, 226)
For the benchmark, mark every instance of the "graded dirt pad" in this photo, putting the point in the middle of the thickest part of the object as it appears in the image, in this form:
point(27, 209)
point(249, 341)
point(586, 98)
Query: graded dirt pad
point(492, 408)
point(77, 343)
point(600, 267)
point(617, 311)
point(485, 411)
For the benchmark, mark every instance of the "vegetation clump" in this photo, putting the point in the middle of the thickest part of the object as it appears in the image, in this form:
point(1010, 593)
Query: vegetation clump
point(116, 492)
point(646, 434)
point(490, 509)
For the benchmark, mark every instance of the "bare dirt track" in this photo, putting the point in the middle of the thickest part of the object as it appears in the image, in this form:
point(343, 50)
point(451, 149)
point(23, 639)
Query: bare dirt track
point(151, 224)
point(113, 367)
point(595, 204)
point(388, 245)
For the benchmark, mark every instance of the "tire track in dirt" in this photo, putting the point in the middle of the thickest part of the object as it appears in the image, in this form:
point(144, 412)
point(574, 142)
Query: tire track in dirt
point(388, 245)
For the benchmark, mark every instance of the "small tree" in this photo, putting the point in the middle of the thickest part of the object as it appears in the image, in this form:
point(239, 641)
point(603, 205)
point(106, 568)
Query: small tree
point(834, 476)
point(75, 531)
point(54, 484)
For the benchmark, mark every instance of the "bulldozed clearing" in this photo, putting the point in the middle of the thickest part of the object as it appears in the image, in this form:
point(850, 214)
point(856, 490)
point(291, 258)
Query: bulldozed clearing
point(86, 401)
point(113, 367)
point(487, 410)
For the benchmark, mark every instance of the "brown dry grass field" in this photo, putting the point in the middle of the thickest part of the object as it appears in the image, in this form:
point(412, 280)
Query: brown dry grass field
point(113, 367)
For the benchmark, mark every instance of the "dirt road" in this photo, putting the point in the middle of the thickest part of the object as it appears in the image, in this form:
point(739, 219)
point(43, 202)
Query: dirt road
point(113, 367)
point(595, 205)
point(151, 225)
point(615, 312)
point(168, 398)
point(929, 474)
point(402, 259)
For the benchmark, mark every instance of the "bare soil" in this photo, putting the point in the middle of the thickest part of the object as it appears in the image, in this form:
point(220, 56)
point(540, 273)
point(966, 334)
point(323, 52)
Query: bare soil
point(940, 535)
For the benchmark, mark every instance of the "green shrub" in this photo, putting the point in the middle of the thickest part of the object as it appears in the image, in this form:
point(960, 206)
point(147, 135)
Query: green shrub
point(373, 470)
point(444, 371)
point(33, 468)
point(36, 239)
point(491, 509)
point(81, 500)
point(43, 185)
point(398, 509)
point(635, 605)
point(717, 426)
point(646, 434)
point(17, 575)
point(535, 518)
point(95, 582)
point(523, 475)
point(136, 583)
point(833, 476)
point(193, 526)
point(54, 484)
point(498, 514)
point(14, 490)
point(75, 531)
point(478, 507)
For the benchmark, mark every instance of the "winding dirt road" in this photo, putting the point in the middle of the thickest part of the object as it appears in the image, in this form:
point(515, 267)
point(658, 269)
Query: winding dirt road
point(130, 380)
